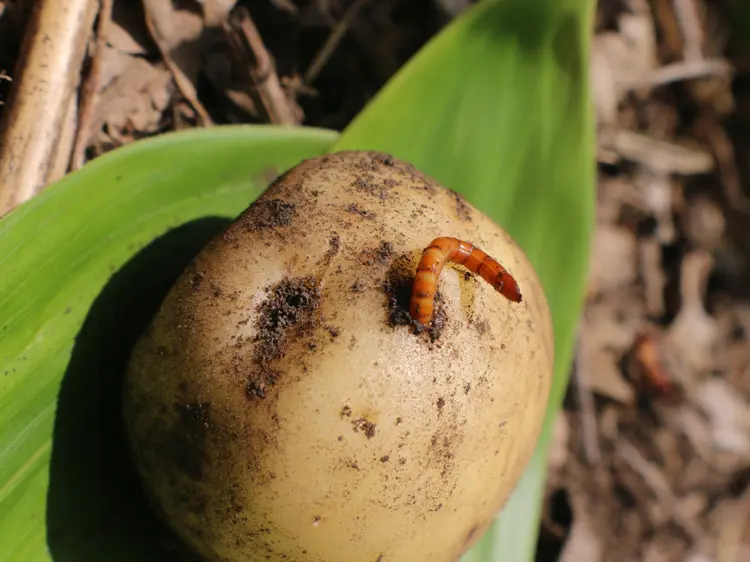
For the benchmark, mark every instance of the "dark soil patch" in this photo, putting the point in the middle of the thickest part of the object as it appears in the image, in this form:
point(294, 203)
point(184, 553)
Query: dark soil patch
point(462, 207)
point(367, 183)
point(269, 213)
point(364, 213)
point(381, 254)
point(196, 280)
point(334, 245)
point(365, 426)
point(287, 313)
point(443, 444)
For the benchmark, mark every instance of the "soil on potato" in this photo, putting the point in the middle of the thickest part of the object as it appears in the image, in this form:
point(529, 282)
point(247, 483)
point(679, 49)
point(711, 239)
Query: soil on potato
point(357, 210)
point(288, 312)
point(462, 208)
point(270, 213)
point(364, 426)
point(334, 245)
point(380, 254)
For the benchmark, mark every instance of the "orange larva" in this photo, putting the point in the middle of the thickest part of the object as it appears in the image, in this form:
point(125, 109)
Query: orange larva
point(433, 259)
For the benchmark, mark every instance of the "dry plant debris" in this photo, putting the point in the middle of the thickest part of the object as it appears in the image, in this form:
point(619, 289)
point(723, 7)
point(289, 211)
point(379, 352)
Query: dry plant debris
point(651, 456)
point(662, 376)
point(38, 123)
point(118, 71)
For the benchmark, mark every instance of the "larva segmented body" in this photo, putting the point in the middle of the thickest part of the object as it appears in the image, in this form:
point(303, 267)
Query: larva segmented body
point(434, 257)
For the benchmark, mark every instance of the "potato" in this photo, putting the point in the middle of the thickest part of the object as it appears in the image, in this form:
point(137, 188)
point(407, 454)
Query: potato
point(282, 406)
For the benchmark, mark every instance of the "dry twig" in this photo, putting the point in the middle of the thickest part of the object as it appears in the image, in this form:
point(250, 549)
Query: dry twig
point(650, 256)
point(727, 164)
point(657, 155)
point(688, 70)
point(586, 404)
point(248, 47)
point(157, 13)
point(90, 91)
point(60, 163)
point(48, 72)
point(658, 484)
point(686, 14)
point(325, 52)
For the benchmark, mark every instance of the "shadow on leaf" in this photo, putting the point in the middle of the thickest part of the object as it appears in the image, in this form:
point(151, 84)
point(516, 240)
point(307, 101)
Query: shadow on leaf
point(96, 509)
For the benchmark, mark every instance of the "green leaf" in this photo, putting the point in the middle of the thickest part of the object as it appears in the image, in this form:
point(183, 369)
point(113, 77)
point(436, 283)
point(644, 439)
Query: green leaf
point(497, 107)
point(83, 267)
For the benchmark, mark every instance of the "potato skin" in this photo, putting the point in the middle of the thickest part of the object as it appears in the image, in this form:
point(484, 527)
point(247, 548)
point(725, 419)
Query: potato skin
point(279, 407)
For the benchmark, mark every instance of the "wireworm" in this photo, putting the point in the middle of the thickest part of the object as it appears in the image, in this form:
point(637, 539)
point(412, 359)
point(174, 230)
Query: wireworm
point(434, 257)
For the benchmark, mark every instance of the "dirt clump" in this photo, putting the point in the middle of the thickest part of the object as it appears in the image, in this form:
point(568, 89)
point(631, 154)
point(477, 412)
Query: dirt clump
point(269, 213)
point(287, 313)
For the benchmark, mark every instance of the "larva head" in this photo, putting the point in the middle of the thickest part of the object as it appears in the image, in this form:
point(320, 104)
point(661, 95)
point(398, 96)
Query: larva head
point(507, 286)
point(282, 406)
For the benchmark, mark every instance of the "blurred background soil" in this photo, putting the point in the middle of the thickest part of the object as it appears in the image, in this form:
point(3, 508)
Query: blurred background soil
point(651, 456)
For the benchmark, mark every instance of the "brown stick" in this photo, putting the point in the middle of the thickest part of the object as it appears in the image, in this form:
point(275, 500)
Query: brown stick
point(582, 373)
point(46, 77)
point(155, 19)
point(247, 43)
point(59, 164)
point(90, 90)
point(324, 54)
point(686, 12)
